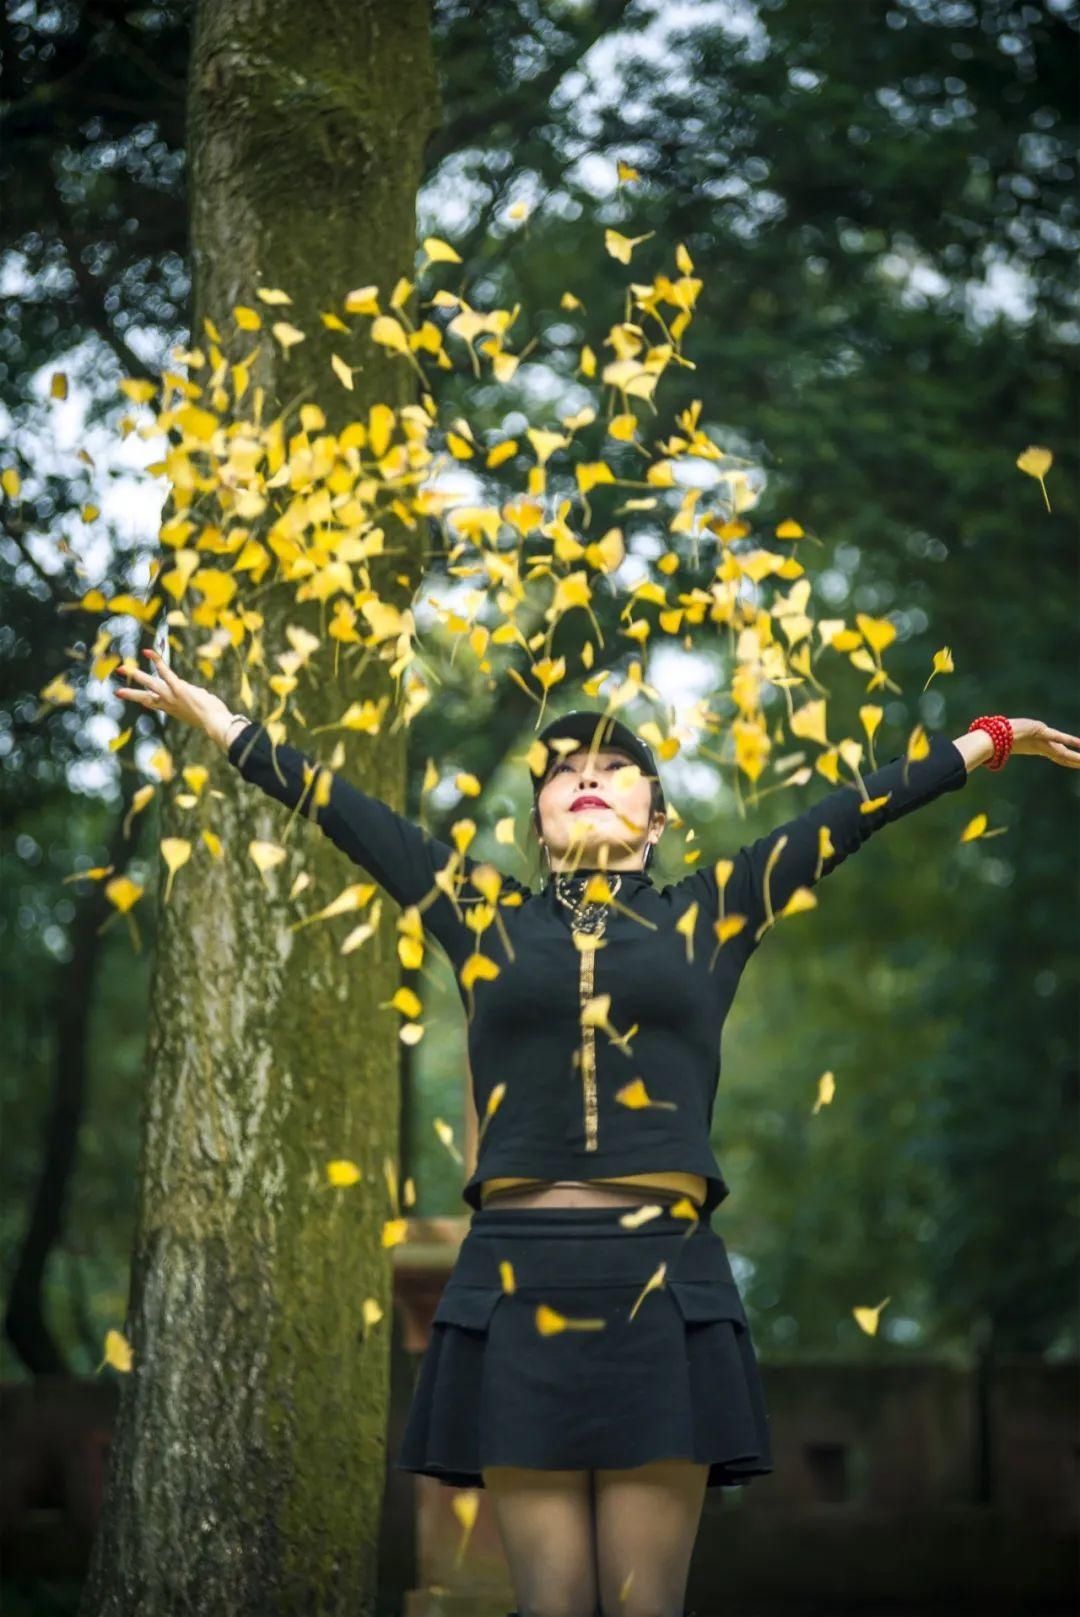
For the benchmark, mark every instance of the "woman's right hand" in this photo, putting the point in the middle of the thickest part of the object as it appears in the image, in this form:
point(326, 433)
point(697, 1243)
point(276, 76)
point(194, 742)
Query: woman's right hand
point(163, 691)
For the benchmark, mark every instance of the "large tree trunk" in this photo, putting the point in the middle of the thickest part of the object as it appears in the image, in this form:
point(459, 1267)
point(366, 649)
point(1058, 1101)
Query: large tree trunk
point(247, 1467)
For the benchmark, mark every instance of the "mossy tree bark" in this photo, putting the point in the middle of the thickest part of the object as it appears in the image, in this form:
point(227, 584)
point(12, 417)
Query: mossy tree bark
point(247, 1466)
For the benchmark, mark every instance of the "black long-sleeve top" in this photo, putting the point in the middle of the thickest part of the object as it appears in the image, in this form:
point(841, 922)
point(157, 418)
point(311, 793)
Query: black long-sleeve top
point(671, 981)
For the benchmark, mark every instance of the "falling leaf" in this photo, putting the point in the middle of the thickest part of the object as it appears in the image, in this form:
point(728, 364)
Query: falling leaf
point(621, 247)
point(342, 371)
point(363, 300)
point(826, 1089)
point(11, 482)
point(340, 1171)
point(176, 851)
point(390, 333)
point(867, 1318)
point(446, 1135)
point(286, 334)
point(59, 690)
point(371, 1313)
point(266, 855)
point(635, 1096)
point(123, 893)
point(395, 1230)
point(974, 828)
point(550, 1323)
point(640, 1215)
point(272, 295)
point(58, 385)
point(1036, 462)
point(654, 1282)
point(440, 252)
point(118, 1352)
point(466, 1506)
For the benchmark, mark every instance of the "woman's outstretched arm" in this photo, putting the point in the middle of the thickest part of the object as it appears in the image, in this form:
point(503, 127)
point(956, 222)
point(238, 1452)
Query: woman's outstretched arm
point(401, 856)
point(811, 845)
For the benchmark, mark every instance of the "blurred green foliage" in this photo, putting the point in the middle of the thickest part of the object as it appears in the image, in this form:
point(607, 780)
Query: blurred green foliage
point(881, 203)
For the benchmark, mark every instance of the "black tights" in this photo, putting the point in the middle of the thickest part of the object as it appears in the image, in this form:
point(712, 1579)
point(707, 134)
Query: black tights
point(617, 1543)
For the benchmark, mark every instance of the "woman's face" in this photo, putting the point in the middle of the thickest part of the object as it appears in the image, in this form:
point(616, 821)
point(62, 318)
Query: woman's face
point(612, 812)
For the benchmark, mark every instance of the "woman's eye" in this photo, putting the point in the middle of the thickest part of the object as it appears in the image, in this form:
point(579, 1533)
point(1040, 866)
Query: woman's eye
point(612, 763)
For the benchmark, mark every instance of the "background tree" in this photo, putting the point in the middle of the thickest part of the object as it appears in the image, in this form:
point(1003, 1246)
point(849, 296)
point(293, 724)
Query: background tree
point(245, 1470)
point(884, 218)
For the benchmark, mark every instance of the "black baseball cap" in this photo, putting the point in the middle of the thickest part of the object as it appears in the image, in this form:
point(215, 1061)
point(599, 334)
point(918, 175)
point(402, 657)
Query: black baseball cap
point(595, 729)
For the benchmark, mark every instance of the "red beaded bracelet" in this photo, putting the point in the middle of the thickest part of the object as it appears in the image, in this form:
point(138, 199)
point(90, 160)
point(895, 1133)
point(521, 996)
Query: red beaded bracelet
point(1000, 732)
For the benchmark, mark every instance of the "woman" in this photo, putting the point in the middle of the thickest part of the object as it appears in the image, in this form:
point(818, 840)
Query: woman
point(591, 1362)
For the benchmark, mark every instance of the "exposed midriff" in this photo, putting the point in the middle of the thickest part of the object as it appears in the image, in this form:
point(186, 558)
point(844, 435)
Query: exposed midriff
point(683, 1184)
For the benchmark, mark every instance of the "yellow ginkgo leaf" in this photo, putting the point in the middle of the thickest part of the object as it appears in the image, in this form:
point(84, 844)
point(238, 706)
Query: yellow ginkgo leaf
point(272, 295)
point(58, 385)
point(340, 1171)
point(506, 1275)
point(395, 1230)
point(621, 247)
point(636, 1096)
point(371, 1313)
point(265, 855)
point(446, 1135)
point(974, 828)
point(801, 899)
point(640, 1215)
point(440, 252)
point(1036, 462)
point(11, 482)
point(123, 893)
point(59, 690)
point(118, 1352)
point(176, 851)
point(654, 1282)
point(871, 717)
point(288, 336)
point(404, 1001)
point(466, 1505)
point(362, 300)
point(867, 1318)
point(549, 1322)
point(826, 1089)
point(477, 968)
point(877, 632)
point(390, 333)
point(342, 371)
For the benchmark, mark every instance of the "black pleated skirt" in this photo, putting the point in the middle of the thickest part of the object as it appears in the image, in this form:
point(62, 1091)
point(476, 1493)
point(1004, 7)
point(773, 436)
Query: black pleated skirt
point(565, 1339)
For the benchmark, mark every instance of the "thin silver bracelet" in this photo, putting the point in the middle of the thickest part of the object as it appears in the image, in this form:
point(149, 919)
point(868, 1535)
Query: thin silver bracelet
point(242, 717)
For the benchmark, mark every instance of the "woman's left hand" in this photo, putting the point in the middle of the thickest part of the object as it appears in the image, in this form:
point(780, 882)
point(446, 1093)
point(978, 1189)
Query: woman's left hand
point(1032, 735)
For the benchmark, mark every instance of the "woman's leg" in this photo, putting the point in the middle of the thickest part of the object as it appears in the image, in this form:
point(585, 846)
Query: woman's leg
point(646, 1523)
point(545, 1522)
